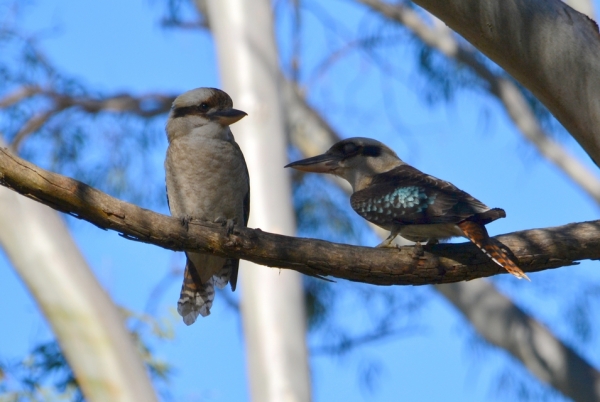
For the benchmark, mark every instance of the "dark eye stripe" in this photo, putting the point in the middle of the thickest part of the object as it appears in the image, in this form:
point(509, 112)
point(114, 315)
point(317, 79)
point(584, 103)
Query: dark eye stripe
point(189, 110)
point(371, 150)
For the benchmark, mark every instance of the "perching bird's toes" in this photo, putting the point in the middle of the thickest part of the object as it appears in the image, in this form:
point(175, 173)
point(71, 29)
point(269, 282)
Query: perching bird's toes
point(206, 177)
point(185, 221)
point(418, 250)
point(387, 243)
point(398, 197)
point(228, 223)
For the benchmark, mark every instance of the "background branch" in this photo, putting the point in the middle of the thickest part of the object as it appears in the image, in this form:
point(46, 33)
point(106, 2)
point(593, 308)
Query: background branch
point(502, 88)
point(547, 46)
point(145, 106)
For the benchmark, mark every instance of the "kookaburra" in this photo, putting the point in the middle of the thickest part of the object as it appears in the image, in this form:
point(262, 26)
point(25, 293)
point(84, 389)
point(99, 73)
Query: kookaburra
point(397, 197)
point(207, 179)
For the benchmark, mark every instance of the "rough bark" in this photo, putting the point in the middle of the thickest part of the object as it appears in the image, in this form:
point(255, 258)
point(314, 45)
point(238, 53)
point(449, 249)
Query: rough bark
point(547, 46)
point(87, 325)
point(535, 250)
point(272, 303)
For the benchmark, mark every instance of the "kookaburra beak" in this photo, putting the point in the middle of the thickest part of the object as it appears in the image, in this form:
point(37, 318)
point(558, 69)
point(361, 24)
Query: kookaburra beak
point(228, 116)
point(325, 163)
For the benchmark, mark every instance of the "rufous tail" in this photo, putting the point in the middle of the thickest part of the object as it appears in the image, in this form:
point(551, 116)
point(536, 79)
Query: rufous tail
point(478, 234)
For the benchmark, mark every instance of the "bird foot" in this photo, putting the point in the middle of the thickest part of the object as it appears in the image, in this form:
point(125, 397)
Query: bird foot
point(185, 221)
point(418, 250)
point(387, 243)
point(228, 223)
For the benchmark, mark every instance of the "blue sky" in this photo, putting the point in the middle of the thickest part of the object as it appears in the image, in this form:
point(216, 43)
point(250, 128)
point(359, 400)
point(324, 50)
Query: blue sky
point(119, 46)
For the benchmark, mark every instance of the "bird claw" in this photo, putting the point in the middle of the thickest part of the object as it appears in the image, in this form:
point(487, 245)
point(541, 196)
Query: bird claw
point(418, 250)
point(185, 221)
point(387, 243)
point(228, 223)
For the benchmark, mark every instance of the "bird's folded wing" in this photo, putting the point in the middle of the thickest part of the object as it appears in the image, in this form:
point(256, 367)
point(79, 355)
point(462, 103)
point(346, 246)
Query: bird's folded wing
point(408, 196)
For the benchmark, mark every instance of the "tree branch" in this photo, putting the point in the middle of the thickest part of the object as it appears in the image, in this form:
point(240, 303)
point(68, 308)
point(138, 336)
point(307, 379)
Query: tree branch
point(505, 90)
point(547, 46)
point(535, 249)
point(19, 95)
point(148, 105)
point(145, 106)
point(32, 125)
point(494, 316)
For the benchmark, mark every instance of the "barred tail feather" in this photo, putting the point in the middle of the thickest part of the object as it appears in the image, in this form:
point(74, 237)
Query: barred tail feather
point(196, 298)
point(227, 274)
point(478, 234)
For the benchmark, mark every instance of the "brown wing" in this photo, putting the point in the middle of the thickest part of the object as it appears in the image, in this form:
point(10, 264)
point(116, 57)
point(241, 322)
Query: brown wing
point(407, 196)
point(234, 262)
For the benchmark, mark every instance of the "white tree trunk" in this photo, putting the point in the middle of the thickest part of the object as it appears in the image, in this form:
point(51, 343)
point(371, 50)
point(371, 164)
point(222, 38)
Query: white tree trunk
point(88, 326)
point(440, 37)
point(547, 46)
point(272, 301)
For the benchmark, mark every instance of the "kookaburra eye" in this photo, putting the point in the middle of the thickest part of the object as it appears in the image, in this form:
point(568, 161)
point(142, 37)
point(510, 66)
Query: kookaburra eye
point(350, 149)
point(400, 198)
point(200, 189)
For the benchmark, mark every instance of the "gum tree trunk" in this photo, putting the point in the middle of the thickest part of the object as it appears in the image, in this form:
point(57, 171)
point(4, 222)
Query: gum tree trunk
point(272, 301)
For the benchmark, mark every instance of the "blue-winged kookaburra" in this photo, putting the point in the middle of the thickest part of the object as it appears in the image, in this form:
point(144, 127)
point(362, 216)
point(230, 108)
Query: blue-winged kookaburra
point(397, 197)
point(207, 179)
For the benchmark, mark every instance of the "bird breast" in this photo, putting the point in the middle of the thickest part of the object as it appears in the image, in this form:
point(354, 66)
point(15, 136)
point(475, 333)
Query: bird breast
point(206, 178)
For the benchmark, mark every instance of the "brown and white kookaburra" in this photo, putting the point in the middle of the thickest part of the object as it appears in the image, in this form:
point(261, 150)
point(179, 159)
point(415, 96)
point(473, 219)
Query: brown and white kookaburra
point(397, 197)
point(207, 179)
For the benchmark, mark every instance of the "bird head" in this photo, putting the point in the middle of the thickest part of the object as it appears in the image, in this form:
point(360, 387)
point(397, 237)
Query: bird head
point(210, 108)
point(355, 159)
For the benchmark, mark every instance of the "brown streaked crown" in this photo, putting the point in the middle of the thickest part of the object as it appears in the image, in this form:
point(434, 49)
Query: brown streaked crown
point(200, 101)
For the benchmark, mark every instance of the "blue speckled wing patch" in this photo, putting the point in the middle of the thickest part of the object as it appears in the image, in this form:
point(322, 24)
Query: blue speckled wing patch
point(405, 195)
point(402, 199)
point(400, 204)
